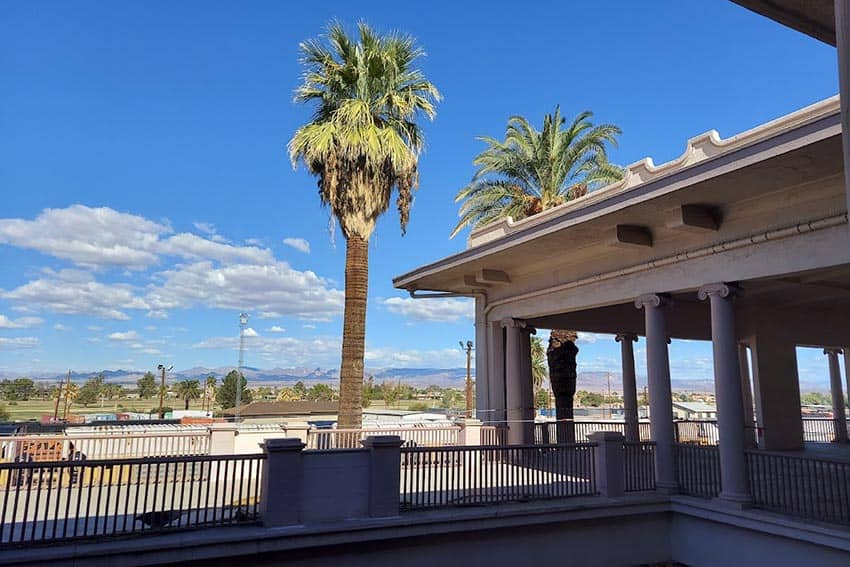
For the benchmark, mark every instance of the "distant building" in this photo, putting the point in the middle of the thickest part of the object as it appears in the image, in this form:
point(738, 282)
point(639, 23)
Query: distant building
point(694, 410)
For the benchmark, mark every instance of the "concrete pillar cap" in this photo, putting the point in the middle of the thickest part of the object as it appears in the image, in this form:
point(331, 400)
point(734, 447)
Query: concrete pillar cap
point(606, 436)
point(382, 441)
point(285, 444)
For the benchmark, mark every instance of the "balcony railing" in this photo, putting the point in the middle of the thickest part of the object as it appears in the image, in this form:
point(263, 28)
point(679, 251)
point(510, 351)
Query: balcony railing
point(64, 500)
point(698, 469)
point(554, 432)
point(111, 445)
point(324, 439)
point(800, 486)
point(467, 476)
point(639, 459)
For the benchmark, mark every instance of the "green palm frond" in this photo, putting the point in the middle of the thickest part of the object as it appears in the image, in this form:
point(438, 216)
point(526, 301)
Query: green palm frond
point(363, 142)
point(532, 170)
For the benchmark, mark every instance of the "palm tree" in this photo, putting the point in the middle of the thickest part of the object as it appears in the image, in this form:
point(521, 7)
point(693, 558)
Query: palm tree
point(531, 171)
point(71, 393)
point(538, 362)
point(209, 391)
point(188, 390)
point(363, 144)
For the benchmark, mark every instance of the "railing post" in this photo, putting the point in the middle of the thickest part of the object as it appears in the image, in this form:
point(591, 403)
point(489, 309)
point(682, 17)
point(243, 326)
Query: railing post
point(222, 439)
point(384, 474)
point(297, 430)
point(280, 498)
point(609, 463)
point(470, 432)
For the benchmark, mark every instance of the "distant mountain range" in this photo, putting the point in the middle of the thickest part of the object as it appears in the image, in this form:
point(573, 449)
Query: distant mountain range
point(420, 377)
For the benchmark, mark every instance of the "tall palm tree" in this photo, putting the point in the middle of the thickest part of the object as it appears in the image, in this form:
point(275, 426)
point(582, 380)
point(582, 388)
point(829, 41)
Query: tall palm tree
point(531, 171)
point(209, 391)
point(363, 144)
point(188, 390)
point(538, 363)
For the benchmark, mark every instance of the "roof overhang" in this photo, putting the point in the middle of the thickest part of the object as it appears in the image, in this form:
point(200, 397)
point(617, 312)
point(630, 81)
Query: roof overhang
point(815, 18)
point(631, 221)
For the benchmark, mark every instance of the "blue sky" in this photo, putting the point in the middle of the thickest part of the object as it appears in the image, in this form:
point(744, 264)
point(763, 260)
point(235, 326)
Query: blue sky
point(145, 192)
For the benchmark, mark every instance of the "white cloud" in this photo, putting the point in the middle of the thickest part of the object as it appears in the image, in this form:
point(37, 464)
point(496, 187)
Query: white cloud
point(276, 329)
point(72, 292)
point(92, 237)
point(250, 332)
point(60, 327)
point(274, 290)
point(20, 323)
point(15, 343)
point(298, 243)
point(284, 351)
point(253, 242)
point(442, 310)
point(382, 357)
point(205, 227)
point(194, 247)
point(123, 336)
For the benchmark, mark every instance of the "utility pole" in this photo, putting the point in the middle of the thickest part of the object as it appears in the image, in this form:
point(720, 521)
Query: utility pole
point(243, 323)
point(468, 349)
point(67, 395)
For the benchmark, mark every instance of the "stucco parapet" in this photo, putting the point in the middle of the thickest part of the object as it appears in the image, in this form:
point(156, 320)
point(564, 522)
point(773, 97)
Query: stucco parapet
point(703, 147)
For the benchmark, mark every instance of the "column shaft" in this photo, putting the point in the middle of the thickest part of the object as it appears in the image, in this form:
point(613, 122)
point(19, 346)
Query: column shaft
point(727, 388)
point(496, 412)
point(842, 41)
point(747, 397)
point(839, 420)
point(630, 405)
point(660, 395)
point(517, 357)
point(482, 374)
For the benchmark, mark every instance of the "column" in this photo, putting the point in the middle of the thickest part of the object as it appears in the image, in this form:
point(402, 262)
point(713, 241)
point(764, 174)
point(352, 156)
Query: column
point(280, 496)
point(842, 43)
point(482, 374)
point(495, 413)
point(384, 474)
point(777, 388)
point(839, 420)
point(630, 405)
point(660, 395)
point(847, 372)
point(518, 404)
point(727, 390)
point(747, 396)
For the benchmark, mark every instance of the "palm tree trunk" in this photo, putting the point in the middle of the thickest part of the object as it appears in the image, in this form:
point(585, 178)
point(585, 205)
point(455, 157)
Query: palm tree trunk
point(353, 333)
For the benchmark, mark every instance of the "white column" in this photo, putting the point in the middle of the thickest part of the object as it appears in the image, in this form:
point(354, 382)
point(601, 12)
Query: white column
point(727, 390)
point(839, 421)
point(660, 395)
point(747, 396)
point(520, 426)
point(482, 374)
point(630, 406)
point(842, 43)
point(495, 412)
point(847, 372)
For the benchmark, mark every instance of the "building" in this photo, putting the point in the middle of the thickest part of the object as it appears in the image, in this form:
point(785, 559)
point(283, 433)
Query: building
point(694, 410)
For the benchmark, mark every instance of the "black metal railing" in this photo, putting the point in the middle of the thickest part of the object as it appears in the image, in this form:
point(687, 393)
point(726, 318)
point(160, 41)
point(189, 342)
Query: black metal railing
point(465, 476)
point(698, 469)
point(64, 500)
point(639, 459)
point(800, 486)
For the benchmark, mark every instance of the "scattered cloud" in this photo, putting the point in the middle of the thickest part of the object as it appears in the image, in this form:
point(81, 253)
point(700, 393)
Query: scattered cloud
point(440, 310)
point(16, 343)
point(298, 243)
point(20, 323)
point(382, 357)
point(276, 329)
point(284, 351)
point(60, 327)
point(250, 332)
point(123, 336)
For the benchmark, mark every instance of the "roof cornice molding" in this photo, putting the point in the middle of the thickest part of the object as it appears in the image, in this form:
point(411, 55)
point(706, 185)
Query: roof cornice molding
point(701, 148)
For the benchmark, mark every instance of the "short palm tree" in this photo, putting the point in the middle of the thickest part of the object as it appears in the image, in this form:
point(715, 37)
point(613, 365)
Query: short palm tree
point(363, 144)
point(209, 391)
point(531, 171)
point(188, 390)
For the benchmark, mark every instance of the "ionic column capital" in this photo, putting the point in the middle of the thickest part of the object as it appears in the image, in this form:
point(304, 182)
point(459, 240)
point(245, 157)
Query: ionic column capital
point(719, 289)
point(833, 351)
point(625, 337)
point(653, 300)
point(510, 322)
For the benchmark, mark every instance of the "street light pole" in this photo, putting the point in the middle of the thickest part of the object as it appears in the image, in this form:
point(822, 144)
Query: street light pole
point(243, 323)
point(468, 349)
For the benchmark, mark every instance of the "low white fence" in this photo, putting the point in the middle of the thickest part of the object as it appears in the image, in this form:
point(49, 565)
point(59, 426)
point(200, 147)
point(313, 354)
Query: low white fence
point(427, 436)
point(42, 448)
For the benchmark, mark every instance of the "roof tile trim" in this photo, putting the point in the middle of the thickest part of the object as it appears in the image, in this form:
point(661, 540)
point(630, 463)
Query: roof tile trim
point(700, 148)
